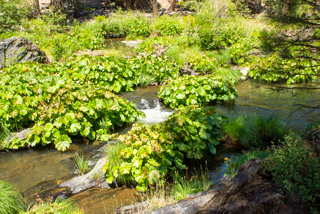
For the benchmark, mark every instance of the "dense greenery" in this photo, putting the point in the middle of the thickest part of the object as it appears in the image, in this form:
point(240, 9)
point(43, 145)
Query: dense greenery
point(197, 90)
point(295, 168)
point(56, 107)
point(152, 153)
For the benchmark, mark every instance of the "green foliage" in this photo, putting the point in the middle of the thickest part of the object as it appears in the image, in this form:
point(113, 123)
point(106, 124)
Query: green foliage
point(203, 64)
point(152, 153)
point(296, 169)
point(139, 27)
point(290, 70)
point(233, 164)
point(11, 14)
point(197, 90)
point(168, 26)
point(255, 131)
point(195, 130)
point(10, 199)
point(147, 157)
point(239, 51)
point(82, 166)
point(220, 35)
point(56, 106)
point(211, 10)
point(61, 206)
point(4, 132)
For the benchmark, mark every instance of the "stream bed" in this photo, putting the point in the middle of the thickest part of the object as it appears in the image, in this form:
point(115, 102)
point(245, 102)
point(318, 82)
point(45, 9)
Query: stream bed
point(41, 170)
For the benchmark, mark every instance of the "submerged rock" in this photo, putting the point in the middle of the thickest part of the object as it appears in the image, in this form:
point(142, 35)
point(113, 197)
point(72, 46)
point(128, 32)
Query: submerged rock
point(19, 49)
point(95, 178)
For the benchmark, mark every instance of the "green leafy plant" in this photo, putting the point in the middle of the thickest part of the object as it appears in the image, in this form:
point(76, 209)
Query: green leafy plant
point(139, 27)
point(203, 64)
point(295, 169)
point(197, 90)
point(58, 107)
point(152, 153)
point(82, 166)
point(168, 26)
point(10, 199)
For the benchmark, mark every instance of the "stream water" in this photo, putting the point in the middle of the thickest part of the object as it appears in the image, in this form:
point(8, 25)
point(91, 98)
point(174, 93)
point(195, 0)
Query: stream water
point(41, 170)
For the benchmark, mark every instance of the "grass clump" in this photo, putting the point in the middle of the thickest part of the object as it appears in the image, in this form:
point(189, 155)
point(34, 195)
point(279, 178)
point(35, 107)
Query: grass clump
point(82, 166)
point(233, 164)
point(255, 131)
point(295, 168)
point(10, 199)
point(61, 206)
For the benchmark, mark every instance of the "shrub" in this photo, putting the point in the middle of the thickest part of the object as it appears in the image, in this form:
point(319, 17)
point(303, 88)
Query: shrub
point(152, 153)
point(168, 26)
point(203, 64)
point(233, 164)
point(139, 27)
point(197, 90)
point(10, 199)
point(56, 106)
point(296, 169)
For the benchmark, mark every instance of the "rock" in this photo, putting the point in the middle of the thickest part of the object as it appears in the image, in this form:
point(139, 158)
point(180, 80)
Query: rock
point(95, 178)
point(188, 71)
point(21, 135)
point(18, 49)
point(189, 205)
point(250, 191)
point(132, 44)
point(133, 208)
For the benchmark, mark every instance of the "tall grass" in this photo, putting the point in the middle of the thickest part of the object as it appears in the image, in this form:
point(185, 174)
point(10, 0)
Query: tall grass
point(82, 166)
point(4, 132)
point(255, 131)
point(10, 199)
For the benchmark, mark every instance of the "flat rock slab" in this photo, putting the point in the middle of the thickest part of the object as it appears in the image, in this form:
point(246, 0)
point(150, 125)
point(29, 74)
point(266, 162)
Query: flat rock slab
point(95, 178)
point(19, 49)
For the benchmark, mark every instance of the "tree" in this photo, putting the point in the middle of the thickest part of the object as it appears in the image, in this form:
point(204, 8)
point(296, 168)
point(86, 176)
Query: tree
point(36, 9)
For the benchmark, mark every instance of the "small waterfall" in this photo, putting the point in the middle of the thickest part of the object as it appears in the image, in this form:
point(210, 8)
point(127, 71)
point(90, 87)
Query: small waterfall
point(153, 110)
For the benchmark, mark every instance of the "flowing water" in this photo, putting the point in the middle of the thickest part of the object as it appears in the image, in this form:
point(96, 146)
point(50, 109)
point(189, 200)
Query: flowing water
point(41, 170)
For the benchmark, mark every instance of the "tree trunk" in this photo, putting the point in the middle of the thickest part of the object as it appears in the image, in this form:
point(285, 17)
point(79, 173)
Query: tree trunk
point(154, 8)
point(285, 8)
point(77, 9)
point(36, 9)
point(173, 5)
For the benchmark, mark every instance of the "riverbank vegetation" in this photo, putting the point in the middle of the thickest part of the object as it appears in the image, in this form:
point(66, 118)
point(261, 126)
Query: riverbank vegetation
point(196, 61)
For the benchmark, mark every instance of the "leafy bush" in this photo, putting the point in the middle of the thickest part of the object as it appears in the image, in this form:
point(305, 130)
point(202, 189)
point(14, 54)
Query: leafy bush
point(152, 153)
point(168, 26)
point(255, 131)
point(139, 27)
point(291, 70)
point(195, 130)
point(296, 169)
point(56, 107)
point(11, 14)
point(10, 199)
point(197, 90)
point(239, 51)
point(233, 164)
point(204, 64)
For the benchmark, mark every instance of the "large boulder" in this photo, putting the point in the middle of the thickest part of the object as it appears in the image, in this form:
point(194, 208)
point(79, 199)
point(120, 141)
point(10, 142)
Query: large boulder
point(19, 49)
point(250, 191)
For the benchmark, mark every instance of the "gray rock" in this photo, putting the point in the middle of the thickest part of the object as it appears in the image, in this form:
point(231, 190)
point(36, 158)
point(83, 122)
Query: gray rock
point(95, 178)
point(132, 44)
point(21, 135)
point(18, 49)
